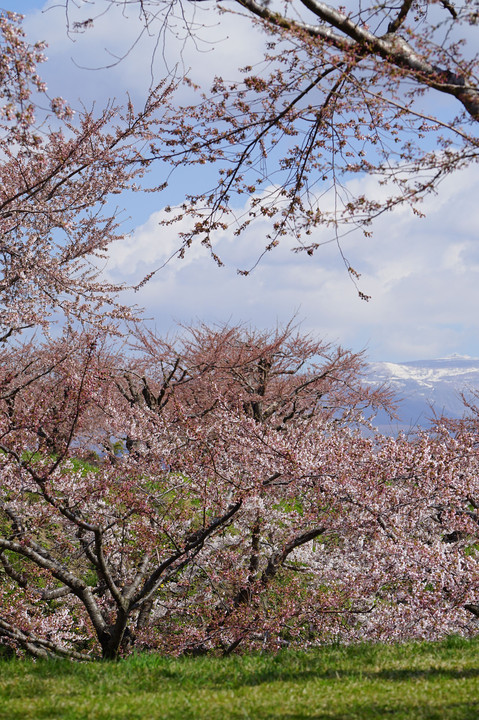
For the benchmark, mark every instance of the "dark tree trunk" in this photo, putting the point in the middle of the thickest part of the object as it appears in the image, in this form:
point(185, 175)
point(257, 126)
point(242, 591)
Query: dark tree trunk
point(115, 638)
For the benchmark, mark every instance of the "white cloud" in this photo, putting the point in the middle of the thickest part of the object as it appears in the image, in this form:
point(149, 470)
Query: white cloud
point(421, 273)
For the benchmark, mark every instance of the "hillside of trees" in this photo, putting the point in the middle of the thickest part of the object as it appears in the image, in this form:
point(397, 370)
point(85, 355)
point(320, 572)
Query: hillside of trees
point(209, 492)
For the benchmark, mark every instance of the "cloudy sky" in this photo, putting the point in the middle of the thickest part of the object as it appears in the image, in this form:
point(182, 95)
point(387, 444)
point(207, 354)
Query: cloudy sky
point(422, 274)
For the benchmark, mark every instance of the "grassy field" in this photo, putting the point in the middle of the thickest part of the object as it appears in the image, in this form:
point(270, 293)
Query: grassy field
point(437, 681)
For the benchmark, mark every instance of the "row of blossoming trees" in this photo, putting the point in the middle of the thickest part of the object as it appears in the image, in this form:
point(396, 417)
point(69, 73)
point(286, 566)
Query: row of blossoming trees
point(210, 492)
point(232, 501)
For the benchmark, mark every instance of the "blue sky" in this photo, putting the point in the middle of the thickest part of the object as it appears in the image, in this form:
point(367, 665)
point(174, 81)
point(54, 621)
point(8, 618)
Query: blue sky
point(422, 274)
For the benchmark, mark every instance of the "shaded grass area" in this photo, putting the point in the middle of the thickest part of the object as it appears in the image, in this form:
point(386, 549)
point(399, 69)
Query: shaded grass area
point(425, 681)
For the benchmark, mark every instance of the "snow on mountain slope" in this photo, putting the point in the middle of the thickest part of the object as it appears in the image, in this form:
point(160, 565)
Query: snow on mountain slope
point(424, 386)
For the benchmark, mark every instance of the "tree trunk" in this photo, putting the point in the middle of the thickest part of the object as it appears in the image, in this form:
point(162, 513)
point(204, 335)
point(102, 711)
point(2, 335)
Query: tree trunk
point(115, 637)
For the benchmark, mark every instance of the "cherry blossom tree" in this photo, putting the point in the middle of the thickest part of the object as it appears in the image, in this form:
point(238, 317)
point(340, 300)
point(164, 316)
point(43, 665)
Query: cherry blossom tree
point(59, 174)
point(206, 493)
point(343, 93)
point(275, 377)
point(218, 529)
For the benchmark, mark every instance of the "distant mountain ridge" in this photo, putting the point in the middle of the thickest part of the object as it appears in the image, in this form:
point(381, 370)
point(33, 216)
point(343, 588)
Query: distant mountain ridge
point(424, 386)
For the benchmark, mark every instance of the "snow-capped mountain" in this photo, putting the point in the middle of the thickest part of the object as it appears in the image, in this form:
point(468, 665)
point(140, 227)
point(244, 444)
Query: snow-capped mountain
point(422, 386)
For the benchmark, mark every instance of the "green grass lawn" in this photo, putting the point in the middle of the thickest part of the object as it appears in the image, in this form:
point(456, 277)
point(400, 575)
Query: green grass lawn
point(437, 681)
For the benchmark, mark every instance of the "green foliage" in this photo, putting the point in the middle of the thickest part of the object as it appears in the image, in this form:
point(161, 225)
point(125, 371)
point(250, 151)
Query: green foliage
point(471, 550)
point(74, 464)
point(290, 505)
point(81, 465)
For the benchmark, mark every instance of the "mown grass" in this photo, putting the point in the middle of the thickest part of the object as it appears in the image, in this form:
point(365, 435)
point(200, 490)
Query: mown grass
point(424, 681)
